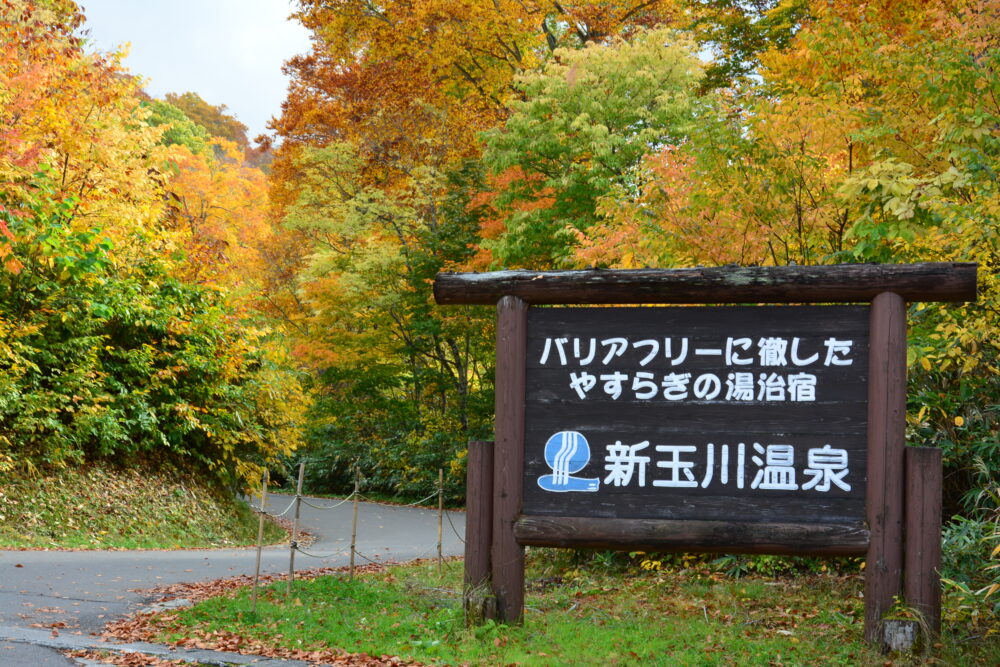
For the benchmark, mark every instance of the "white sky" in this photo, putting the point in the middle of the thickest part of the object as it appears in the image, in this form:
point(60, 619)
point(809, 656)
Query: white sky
point(228, 51)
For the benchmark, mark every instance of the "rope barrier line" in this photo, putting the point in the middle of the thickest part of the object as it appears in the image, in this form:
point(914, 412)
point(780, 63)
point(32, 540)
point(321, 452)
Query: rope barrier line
point(298, 500)
point(328, 507)
point(422, 500)
point(427, 554)
point(376, 562)
point(413, 504)
point(447, 515)
point(255, 508)
point(321, 556)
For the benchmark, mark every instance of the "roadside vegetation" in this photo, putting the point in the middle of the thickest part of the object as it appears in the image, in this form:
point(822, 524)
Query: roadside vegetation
point(98, 507)
point(581, 609)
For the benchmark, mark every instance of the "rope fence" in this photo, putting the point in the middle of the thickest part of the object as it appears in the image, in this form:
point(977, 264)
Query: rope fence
point(354, 497)
point(460, 537)
point(327, 507)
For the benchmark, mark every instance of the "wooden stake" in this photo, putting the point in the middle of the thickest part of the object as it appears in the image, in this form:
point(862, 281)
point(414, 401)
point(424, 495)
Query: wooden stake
point(886, 437)
point(295, 528)
point(478, 598)
point(440, 519)
point(922, 555)
point(354, 522)
point(260, 537)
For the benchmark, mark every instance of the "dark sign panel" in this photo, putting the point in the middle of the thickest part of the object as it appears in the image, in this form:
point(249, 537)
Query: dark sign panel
point(754, 414)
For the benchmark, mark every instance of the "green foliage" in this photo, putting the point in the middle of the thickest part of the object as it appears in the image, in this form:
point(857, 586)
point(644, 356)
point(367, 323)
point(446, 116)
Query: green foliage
point(579, 131)
point(965, 548)
point(99, 361)
point(405, 384)
point(214, 119)
point(737, 32)
point(180, 130)
point(971, 556)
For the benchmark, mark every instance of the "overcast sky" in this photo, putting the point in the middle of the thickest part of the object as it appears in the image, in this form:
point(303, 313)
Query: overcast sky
point(228, 51)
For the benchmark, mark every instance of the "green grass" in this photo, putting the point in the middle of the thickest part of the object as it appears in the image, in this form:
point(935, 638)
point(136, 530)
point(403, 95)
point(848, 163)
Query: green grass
point(96, 507)
point(593, 615)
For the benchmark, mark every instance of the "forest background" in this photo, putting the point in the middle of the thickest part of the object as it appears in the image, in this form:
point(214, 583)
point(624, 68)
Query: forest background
point(172, 292)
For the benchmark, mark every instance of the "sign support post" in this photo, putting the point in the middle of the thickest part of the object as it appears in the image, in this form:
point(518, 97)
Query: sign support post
point(886, 438)
point(508, 461)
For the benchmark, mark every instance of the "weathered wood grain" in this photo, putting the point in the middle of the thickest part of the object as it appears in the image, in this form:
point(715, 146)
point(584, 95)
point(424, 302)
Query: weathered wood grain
point(844, 283)
point(886, 438)
point(702, 536)
point(922, 553)
point(478, 591)
point(508, 463)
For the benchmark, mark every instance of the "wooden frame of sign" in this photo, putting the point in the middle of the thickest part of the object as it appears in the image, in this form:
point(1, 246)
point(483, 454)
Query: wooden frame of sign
point(741, 429)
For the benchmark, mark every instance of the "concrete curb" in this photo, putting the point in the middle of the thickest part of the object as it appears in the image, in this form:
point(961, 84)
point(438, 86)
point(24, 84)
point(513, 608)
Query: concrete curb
point(69, 642)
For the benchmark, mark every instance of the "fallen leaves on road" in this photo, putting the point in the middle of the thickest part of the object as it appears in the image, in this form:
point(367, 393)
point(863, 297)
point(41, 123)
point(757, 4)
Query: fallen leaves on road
point(318, 657)
point(127, 659)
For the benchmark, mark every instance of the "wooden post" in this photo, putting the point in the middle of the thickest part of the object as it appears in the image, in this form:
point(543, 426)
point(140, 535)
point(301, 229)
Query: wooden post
point(354, 521)
point(295, 528)
point(478, 599)
point(886, 436)
point(922, 557)
point(260, 539)
point(507, 554)
point(440, 520)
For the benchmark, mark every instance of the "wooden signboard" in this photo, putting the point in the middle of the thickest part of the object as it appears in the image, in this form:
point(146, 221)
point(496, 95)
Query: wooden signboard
point(756, 429)
point(741, 414)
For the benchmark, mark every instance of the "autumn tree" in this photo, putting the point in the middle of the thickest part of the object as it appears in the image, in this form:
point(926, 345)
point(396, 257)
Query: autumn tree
point(214, 119)
point(403, 386)
point(871, 138)
point(75, 113)
point(178, 128)
point(738, 32)
point(106, 352)
point(378, 172)
point(578, 133)
point(393, 77)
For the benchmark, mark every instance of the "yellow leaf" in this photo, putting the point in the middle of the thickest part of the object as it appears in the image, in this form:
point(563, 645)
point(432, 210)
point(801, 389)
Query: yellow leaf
point(925, 362)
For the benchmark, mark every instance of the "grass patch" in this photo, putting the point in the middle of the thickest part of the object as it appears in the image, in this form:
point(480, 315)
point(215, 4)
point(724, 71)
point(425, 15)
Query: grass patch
point(97, 507)
point(589, 615)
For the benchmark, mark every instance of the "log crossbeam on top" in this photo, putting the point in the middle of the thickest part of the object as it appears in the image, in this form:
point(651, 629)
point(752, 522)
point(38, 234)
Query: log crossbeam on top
point(840, 283)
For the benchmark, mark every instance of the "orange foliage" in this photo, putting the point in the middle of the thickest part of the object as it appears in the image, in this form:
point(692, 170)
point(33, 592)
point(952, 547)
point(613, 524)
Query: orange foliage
point(77, 115)
point(414, 83)
point(219, 205)
point(492, 222)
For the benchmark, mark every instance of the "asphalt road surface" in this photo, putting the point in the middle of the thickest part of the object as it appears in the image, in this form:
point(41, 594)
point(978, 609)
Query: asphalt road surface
point(72, 594)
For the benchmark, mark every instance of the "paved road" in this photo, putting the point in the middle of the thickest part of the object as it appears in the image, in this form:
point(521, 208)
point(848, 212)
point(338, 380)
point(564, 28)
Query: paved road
point(86, 589)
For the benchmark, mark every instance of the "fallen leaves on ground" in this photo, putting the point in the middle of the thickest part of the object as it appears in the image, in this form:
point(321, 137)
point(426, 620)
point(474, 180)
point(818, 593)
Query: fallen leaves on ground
point(139, 628)
point(127, 659)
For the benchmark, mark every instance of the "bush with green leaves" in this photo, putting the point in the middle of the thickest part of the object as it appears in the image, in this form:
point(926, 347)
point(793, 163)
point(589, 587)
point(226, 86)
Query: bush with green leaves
point(99, 360)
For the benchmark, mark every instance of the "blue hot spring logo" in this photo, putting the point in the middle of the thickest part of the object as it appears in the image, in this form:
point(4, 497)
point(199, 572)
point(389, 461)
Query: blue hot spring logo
point(567, 452)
